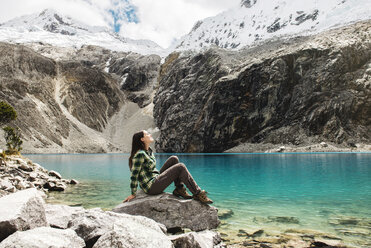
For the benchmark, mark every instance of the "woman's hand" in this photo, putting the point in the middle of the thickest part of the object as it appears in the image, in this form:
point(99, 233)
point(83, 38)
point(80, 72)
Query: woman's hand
point(129, 198)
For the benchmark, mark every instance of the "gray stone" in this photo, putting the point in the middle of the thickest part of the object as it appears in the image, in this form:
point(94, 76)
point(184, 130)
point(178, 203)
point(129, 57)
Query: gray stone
point(21, 185)
point(49, 185)
point(11, 189)
point(94, 223)
point(43, 237)
point(73, 181)
point(133, 234)
point(204, 239)
point(55, 174)
point(5, 184)
point(283, 219)
point(39, 168)
point(323, 144)
point(24, 166)
point(58, 187)
point(21, 211)
point(225, 213)
point(58, 216)
point(171, 211)
point(32, 176)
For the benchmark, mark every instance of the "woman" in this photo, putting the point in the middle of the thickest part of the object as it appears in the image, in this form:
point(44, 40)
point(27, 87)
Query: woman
point(142, 164)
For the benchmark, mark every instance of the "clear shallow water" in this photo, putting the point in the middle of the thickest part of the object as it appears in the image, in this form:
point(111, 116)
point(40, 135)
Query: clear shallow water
point(325, 192)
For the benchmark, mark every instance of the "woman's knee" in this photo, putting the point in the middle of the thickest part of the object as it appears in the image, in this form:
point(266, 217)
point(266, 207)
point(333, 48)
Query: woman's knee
point(182, 166)
point(175, 158)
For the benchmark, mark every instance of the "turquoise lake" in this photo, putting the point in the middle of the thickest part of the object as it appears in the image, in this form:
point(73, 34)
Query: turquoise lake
point(326, 192)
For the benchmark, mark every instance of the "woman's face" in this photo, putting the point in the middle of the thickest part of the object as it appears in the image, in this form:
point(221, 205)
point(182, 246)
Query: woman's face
point(147, 138)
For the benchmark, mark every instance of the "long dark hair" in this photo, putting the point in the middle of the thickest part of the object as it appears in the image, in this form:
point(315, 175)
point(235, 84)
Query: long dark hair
point(136, 145)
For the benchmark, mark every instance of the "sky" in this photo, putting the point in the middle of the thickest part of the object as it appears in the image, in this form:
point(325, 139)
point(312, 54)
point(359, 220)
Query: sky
point(162, 21)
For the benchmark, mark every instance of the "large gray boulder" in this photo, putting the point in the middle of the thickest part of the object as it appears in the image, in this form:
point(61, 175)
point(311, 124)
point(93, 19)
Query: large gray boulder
point(43, 237)
point(204, 239)
point(58, 216)
point(92, 224)
point(171, 211)
point(21, 211)
point(133, 234)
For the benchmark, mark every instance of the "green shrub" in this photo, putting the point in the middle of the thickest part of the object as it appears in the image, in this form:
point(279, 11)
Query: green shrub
point(7, 113)
point(13, 140)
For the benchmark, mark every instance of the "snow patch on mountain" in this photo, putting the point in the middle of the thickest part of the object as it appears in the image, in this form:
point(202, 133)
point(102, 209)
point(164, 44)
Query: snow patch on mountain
point(52, 28)
point(257, 20)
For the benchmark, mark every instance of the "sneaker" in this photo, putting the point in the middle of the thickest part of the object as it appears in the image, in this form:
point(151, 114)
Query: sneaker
point(202, 197)
point(182, 192)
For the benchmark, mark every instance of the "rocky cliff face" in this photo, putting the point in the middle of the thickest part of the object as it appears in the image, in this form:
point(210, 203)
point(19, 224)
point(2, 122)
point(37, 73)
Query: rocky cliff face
point(73, 104)
point(294, 91)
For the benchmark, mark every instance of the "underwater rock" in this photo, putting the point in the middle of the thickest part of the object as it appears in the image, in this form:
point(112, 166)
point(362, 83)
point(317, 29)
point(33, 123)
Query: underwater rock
point(283, 219)
point(225, 213)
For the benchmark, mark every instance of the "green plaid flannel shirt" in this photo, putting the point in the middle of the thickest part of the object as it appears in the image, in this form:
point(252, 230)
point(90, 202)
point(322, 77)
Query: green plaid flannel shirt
point(143, 171)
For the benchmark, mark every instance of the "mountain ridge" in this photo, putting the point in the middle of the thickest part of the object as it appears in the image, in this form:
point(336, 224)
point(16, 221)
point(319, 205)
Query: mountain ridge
point(53, 28)
point(254, 21)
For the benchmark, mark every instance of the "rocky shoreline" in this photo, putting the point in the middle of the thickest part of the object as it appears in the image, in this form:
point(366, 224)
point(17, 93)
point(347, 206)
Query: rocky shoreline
point(290, 148)
point(147, 221)
point(19, 173)
point(27, 221)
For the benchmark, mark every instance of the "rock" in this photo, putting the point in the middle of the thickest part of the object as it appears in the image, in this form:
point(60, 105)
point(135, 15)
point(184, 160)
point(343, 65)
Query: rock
point(58, 187)
point(133, 234)
point(204, 239)
point(225, 213)
point(54, 186)
point(11, 189)
point(58, 216)
point(25, 167)
point(94, 223)
point(39, 168)
point(297, 243)
point(21, 211)
point(281, 149)
point(32, 176)
point(323, 144)
point(73, 181)
point(55, 174)
point(283, 219)
point(18, 179)
point(5, 184)
point(21, 185)
point(171, 211)
point(321, 244)
point(49, 185)
point(43, 237)
point(257, 233)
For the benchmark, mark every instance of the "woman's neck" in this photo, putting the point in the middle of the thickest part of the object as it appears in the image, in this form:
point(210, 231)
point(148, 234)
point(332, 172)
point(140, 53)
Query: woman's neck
point(146, 147)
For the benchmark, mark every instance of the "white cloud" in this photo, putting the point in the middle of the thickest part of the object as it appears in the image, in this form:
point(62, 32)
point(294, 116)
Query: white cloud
point(161, 21)
point(165, 20)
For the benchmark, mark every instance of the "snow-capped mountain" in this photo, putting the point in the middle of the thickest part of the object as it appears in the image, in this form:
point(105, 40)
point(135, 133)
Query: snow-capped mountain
point(55, 29)
point(256, 20)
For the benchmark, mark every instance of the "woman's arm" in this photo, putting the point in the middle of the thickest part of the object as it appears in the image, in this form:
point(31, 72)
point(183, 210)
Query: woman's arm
point(129, 198)
point(138, 161)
